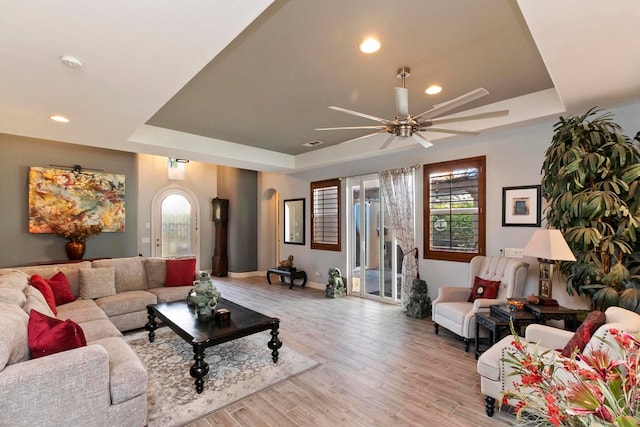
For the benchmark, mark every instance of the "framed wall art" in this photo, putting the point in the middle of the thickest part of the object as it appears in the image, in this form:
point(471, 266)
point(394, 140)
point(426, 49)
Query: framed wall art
point(521, 206)
point(61, 196)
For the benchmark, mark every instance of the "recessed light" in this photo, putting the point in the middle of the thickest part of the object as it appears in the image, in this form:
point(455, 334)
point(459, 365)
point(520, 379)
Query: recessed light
point(59, 118)
point(433, 90)
point(312, 143)
point(71, 61)
point(369, 45)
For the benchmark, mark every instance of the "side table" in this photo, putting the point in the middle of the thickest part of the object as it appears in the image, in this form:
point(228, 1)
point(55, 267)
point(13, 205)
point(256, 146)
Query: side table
point(570, 316)
point(499, 320)
point(497, 328)
point(521, 319)
point(291, 274)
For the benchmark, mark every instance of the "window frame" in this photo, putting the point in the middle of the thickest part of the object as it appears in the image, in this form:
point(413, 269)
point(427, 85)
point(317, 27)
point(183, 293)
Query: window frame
point(335, 182)
point(447, 255)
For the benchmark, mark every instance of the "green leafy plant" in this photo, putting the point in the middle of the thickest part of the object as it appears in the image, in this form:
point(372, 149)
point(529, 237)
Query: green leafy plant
point(591, 179)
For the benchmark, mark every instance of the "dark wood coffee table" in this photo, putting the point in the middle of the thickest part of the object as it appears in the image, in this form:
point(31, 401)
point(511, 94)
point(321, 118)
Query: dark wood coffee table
point(206, 332)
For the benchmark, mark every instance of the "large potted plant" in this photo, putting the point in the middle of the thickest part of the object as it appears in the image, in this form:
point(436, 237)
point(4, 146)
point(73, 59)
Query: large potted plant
point(591, 180)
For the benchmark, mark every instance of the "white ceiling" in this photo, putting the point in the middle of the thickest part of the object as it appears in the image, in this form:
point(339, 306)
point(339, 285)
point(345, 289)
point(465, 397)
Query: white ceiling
point(175, 79)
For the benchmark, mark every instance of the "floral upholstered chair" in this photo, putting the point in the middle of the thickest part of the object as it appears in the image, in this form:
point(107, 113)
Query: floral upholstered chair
point(551, 346)
point(492, 280)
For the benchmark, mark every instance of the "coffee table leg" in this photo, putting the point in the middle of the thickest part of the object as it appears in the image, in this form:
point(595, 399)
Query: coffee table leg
point(200, 368)
point(151, 325)
point(274, 344)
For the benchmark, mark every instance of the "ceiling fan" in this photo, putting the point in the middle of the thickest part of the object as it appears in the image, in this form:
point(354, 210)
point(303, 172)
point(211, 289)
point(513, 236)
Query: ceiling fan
point(405, 125)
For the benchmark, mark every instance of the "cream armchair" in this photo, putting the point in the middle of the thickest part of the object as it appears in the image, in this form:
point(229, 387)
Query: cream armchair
point(497, 376)
point(451, 309)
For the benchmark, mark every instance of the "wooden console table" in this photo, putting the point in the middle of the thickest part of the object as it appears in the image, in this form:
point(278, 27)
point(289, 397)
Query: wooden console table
point(291, 274)
point(63, 261)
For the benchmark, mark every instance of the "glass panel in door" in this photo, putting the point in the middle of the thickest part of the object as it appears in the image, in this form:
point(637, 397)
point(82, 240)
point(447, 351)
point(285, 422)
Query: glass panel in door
point(176, 226)
point(373, 239)
point(355, 245)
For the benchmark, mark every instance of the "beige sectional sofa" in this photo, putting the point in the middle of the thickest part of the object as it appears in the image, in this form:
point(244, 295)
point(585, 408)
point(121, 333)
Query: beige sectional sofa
point(101, 384)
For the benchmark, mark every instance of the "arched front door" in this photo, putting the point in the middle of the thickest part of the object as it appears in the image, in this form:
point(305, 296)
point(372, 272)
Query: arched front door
point(174, 223)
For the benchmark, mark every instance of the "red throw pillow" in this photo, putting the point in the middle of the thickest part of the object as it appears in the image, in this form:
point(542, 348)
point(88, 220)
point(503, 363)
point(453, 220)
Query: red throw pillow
point(484, 289)
point(583, 334)
point(180, 272)
point(61, 288)
point(47, 335)
point(42, 285)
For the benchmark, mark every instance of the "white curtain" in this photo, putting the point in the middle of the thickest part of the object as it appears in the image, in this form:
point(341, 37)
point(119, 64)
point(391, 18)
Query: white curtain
point(398, 192)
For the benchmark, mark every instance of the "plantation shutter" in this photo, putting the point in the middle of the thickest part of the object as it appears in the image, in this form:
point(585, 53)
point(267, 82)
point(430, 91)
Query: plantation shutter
point(325, 215)
point(454, 209)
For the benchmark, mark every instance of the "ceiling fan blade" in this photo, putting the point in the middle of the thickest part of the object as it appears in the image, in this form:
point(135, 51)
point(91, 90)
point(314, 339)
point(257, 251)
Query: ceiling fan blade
point(421, 140)
point(387, 142)
point(402, 101)
point(452, 131)
point(354, 127)
point(453, 103)
point(363, 136)
point(479, 116)
point(356, 113)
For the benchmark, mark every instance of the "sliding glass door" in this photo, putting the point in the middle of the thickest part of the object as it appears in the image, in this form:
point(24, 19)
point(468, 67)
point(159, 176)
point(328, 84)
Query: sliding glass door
point(372, 251)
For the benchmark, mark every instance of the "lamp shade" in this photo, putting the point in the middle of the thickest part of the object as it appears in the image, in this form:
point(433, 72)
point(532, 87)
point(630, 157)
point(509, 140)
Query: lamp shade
point(550, 245)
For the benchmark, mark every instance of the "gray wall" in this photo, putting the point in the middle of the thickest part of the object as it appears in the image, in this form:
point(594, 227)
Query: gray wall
point(241, 188)
point(19, 246)
point(514, 157)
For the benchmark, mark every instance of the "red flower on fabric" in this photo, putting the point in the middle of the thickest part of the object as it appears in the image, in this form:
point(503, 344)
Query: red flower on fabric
point(552, 409)
point(602, 383)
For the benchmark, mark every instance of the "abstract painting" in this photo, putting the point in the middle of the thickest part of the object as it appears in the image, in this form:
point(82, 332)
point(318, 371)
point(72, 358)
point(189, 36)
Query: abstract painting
point(60, 196)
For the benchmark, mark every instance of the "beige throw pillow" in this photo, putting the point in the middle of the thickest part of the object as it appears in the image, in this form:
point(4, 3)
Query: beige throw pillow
point(130, 272)
point(36, 301)
point(14, 347)
point(156, 271)
point(97, 282)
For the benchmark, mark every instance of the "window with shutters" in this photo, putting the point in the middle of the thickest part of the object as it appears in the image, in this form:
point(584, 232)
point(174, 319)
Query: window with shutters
point(325, 215)
point(454, 209)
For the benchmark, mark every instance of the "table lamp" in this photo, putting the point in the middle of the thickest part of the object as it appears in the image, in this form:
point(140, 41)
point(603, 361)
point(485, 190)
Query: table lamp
point(548, 246)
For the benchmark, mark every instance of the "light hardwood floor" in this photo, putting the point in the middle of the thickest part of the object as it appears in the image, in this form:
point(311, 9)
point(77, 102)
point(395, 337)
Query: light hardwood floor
point(378, 367)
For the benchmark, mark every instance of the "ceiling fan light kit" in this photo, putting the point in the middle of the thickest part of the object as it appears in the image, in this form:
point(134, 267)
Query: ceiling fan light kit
point(405, 125)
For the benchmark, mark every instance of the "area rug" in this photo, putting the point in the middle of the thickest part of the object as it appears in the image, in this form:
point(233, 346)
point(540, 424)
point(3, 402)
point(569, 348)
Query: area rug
point(237, 369)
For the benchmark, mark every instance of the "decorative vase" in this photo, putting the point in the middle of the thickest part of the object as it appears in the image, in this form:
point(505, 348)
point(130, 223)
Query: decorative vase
point(204, 296)
point(75, 250)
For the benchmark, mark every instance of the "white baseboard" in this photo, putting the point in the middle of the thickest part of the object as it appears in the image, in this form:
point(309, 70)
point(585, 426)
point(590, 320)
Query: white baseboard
point(312, 285)
point(245, 274)
point(315, 285)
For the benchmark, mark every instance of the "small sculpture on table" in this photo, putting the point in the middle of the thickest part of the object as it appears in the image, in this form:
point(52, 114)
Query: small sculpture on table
point(204, 296)
point(335, 288)
point(533, 299)
point(286, 264)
